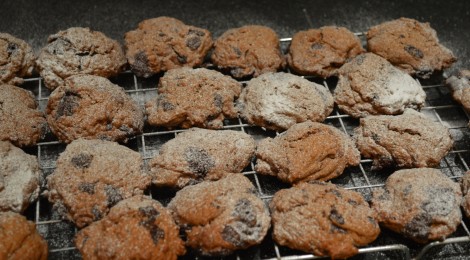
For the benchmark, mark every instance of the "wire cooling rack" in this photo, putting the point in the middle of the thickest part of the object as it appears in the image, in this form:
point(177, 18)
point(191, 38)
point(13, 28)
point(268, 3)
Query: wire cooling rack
point(439, 107)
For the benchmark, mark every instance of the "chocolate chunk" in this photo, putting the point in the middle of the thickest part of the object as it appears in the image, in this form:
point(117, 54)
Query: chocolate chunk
point(156, 233)
point(413, 51)
point(96, 213)
point(218, 102)
point(230, 235)
point(149, 212)
point(87, 187)
point(336, 229)
point(352, 202)
point(336, 217)
point(181, 58)
point(196, 32)
point(12, 47)
point(245, 212)
point(140, 66)
point(193, 43)
point(336, 193)
point(199, 161)
point(82, 160)
point(418, 227)
point(68, 104)
point(316, 46)
point(113, 195)
point(237, 51)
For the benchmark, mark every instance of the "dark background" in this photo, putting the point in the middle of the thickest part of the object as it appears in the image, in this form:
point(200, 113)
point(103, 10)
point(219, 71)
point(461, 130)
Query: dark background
point(33, 20)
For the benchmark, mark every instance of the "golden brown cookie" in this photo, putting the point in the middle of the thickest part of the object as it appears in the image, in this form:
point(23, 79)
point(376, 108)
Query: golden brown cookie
point(307, 151)
point(248, 51)
point(421, 204)
point(91, 176)
point(222, 216)
point(199, 154)
point(165, 43)
point(465, 185)
point(19, 239)
point(16, 59)
point(320, 52)
point(410, 45)
point(136, 228)
point(193, 97)
point(323, 219)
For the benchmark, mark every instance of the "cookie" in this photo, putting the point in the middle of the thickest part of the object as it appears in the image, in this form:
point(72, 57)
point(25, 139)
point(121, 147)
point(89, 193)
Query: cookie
point(421, 204)
point(91, 176)
point(277, 101)
point(19, 178)
point(410, 45)
point(248, 51)
point(136, 228)
point(16, 59)
point(92, 107)
point(198, 154)
point(165, 43)
point(79, 50)
point(320, 52)
point(307, 151)
point(460, 87)
point(19, 238)
point(193, 97)
point(465, 185)
point(403, 140)
point(370, 85)
point(323, 219)
point(222, 216)
point(21, 121)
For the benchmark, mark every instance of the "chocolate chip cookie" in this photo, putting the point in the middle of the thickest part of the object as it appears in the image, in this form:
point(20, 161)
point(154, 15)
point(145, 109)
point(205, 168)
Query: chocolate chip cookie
point(306, 151)
point(248, 51)
point(222, 216)
point(421, 204)
point(91, 176)
point(323, 219)
point(411, 46)
point(21, 122)
point(19, 238)
point(320, 52)
point(165, 43)
point(410, 140)
point(460, 87)
point(279, 100)
point(16, 59)
point(79, 50)
point(136, 228)
point(200, 154)
point(193, 97)
point(19, 178)
point(465, 185)
point(370, 85)
point(92, 107)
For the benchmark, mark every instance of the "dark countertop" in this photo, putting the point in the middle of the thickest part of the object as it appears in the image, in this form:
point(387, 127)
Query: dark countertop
point(33, 21)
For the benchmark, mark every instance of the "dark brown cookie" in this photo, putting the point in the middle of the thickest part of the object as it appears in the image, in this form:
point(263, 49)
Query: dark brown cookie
point(248, 51)
point(460, 86)
point(465, 185)
point(21, 122)
point(136, 228)
point(193, 97)
point(165, 43)
point(91, 176)
point(410, 45)
point(320, 52)
point(16, 59)
point(323, 219)
point(222, 216)
point(19, 239)
point(200, 154)
point(410, 140)
point(279, 100)
point(19, 178)
point(92, 107)
point(421, 204)
point(307, 151)
point(79, 51)
point(370, 85)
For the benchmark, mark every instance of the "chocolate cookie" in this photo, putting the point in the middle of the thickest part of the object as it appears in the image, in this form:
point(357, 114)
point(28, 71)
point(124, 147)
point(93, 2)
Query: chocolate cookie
point(370, 85)
point(279, 100)
point(421, 204)
point(92, 107)
point(248, 51)
point(460, 86)
point(165, 43)
point(19, 238)
point(410, 140)
point(91, 176)
point(410, 45)
point(16, 59)
point(193, 97)
point(465, 185)
point(307, 151)
point(320, 52)
point(222, 216)
point(323, 219)
point(136, 228)
point(199, 154)
point(21, 122)
point(79, 51)
point(19, 178)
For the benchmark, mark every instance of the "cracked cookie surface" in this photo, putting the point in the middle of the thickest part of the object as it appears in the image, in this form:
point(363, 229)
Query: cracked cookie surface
point(16, 59)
